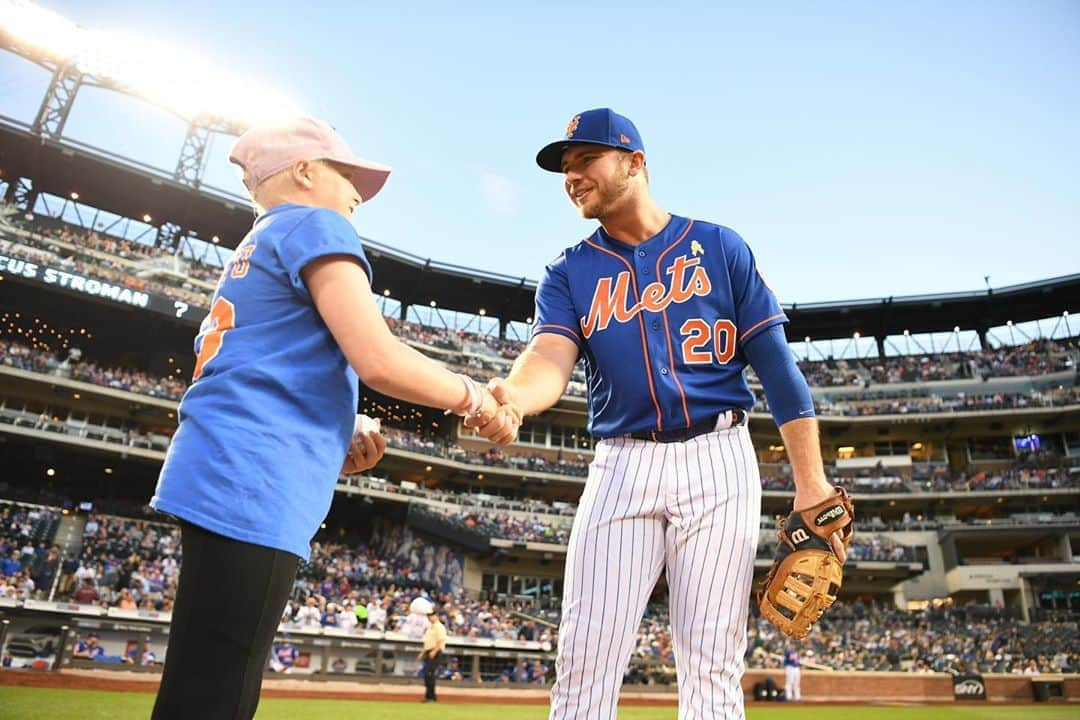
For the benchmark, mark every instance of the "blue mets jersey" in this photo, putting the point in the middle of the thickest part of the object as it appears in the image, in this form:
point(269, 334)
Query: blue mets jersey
point(267, 421)
point(660, 324)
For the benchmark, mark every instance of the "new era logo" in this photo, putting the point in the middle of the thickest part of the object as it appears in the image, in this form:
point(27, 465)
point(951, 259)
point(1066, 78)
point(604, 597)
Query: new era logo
point(624, 140)
point(799, 536)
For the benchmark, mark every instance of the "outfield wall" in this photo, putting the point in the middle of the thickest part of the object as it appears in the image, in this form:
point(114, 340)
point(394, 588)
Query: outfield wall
point(908, 687)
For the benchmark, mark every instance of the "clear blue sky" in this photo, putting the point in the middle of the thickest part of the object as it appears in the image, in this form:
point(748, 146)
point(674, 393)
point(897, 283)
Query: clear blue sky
point(863, 150)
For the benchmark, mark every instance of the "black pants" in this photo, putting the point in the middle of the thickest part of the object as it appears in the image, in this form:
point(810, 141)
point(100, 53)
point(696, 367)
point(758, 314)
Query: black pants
point(228, 605)
point(431, 669)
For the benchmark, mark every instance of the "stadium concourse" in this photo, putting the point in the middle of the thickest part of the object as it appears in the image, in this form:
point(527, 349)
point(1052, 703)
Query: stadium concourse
point(953, 421)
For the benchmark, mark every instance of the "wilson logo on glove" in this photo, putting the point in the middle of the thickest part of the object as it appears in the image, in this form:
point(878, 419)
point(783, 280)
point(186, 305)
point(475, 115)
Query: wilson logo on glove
point(830, 514)
point(799, 536)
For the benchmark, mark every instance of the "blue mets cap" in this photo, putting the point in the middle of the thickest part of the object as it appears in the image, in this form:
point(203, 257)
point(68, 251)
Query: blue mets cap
point(602, 126)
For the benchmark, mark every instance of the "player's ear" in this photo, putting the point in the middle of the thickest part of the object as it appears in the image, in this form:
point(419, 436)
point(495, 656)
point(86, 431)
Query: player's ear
point(303, 174)
point(637, 162)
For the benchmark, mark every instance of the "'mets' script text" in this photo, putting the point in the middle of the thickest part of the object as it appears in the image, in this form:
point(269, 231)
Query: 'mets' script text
point(688, 279)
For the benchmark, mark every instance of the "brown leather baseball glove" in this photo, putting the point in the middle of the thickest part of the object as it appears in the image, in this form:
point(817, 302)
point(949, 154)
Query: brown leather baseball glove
point(806, 575)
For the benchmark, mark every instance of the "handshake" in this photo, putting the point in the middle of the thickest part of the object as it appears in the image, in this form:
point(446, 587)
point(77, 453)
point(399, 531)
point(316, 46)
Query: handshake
point(499, 417)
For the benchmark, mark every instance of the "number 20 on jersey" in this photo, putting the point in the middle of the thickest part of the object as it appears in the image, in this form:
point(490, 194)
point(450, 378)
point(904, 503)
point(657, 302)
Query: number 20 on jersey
point(697, 336)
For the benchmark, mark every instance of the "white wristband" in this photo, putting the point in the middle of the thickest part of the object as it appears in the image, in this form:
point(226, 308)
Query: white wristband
point(474, 399)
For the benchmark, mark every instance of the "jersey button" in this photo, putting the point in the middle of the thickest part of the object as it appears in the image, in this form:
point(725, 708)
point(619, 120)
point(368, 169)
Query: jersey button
point(663, 371)
point(641, 253)
point(655, 325)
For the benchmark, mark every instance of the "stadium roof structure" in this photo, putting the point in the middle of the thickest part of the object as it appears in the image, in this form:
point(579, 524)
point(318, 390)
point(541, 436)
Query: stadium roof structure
point(128, 188)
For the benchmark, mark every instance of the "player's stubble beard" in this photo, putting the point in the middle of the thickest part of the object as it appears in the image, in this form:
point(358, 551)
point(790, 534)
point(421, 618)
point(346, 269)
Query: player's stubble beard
point(609, 197)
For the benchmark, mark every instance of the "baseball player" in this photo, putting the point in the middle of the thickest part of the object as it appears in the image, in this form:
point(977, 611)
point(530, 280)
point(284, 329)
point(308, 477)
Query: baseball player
point(284, 656)
point(434, 647)
point(792, 675)
point(267, 424)
point(666, 312)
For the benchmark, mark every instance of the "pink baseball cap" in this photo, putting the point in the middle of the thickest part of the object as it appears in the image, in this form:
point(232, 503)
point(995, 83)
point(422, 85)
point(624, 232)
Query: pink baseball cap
point(267, 150)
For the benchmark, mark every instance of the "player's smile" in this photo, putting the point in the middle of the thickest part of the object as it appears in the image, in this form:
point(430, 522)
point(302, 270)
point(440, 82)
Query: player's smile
point(579, 196)
point(578, 191)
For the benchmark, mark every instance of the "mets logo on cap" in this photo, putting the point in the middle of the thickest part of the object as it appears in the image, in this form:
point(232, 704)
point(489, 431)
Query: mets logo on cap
point(571, 127)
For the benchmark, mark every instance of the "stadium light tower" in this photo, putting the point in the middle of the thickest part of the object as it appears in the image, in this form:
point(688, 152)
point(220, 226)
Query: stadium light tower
point(182, 83)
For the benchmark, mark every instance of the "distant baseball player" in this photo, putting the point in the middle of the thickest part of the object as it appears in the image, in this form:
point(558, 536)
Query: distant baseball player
point(431, 655)
point(267, 424)
point(666, 312)
point(792, 675)
point(284, 656)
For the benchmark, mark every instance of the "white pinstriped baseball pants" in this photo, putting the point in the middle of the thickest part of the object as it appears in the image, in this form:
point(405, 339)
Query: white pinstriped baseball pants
point(693, 507)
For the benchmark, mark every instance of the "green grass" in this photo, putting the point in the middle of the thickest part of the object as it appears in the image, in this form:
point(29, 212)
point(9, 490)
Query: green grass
point(33, 703)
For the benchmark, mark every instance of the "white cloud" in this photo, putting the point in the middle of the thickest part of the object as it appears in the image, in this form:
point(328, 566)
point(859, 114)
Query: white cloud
point(501, 192)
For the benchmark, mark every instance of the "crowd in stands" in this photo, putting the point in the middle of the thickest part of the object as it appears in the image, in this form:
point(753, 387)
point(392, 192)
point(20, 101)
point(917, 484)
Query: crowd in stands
point(101, 250)
point(1036, 357)
point(14, 353)
point(371, 586)
point(865, 545)
point(18, 355)
point(507, 527)
point(1012, 478)
point(487, 355)
point(126, 563)
point(493, 457)
point(556, 531)
point(869, 403)
point(28, 561)
point(478, 501)
point(653, 659)
point(134, 563)
point(482, 356)
point(974, 638)
point(132, 251)
point(112, 272)
point(871, 485)
point(931, 403)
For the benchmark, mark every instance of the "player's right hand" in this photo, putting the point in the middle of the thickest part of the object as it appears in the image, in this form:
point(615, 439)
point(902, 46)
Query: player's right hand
point(501, 391)
point(502, 425)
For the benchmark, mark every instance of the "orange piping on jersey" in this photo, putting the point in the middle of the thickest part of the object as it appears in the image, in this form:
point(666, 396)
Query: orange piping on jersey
point(570, 330)
point(755, 327)
point(667, 327)
point(641, 324)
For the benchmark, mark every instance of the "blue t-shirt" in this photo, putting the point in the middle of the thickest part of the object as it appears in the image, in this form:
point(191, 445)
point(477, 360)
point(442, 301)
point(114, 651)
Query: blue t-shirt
point(660, 325)
point(10, 566)
point(265, 425)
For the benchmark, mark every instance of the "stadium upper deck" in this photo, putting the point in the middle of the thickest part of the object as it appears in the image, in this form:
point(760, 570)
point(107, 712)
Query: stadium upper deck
point(35, 169)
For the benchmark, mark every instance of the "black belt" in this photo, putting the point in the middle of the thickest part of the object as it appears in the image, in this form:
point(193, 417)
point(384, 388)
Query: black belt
point(738, 417)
